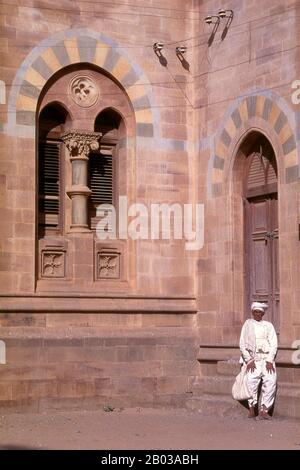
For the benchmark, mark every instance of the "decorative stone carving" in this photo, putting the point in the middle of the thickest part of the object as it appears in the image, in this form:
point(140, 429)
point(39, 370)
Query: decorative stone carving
point(53, 264)
point(80, 143)
point(84, 91)
point(108, 265)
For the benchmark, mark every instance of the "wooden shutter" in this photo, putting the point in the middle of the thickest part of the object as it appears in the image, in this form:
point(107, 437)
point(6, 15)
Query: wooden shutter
point(101, 181)
point(49, 177)
point(257, 171)
point(262, 177)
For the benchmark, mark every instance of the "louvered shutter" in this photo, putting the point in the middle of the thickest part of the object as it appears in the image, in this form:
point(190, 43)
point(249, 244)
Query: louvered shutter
point(49, 176)
point(101, 182)
point(262, 172)
point(257, 171)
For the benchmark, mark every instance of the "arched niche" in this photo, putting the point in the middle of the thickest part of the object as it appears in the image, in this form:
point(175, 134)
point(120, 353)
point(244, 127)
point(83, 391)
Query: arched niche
point(52, 123)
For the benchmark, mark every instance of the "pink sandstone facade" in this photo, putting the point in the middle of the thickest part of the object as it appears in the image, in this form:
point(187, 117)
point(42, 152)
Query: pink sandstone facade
point(90, 112)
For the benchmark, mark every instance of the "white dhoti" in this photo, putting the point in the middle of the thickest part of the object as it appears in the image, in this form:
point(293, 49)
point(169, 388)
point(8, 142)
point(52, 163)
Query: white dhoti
point(268, 379)
point(258, 343)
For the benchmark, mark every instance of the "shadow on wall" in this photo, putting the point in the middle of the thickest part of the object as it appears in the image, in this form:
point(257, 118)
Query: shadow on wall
point(2, 92)
point(2, 352)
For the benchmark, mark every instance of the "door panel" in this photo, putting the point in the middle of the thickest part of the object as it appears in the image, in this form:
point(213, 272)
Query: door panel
point(260, 268)
point(260, 216)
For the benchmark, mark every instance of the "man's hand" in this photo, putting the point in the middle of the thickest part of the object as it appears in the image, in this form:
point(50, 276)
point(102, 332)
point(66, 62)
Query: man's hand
point(251, 366)
point(270, 367)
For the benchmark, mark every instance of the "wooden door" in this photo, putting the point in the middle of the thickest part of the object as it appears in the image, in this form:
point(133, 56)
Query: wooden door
point(262, 253)
point(261, 230)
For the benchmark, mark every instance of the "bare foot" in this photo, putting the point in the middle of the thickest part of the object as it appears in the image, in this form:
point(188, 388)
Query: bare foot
point(263, 414)
point(251, 413)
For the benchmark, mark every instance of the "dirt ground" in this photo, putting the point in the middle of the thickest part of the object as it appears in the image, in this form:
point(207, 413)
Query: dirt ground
point(149, 429)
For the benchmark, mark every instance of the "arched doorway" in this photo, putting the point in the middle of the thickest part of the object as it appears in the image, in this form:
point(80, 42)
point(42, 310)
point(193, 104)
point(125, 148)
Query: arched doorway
point(260, 188)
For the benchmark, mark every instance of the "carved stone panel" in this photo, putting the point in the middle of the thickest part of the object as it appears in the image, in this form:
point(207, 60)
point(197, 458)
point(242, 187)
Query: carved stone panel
point(84, 91)
point(108, 265)
point(53, 264)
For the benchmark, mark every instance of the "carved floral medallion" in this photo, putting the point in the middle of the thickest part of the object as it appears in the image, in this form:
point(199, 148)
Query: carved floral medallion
point(53, 264)
point(84, 91)
point(108, 265)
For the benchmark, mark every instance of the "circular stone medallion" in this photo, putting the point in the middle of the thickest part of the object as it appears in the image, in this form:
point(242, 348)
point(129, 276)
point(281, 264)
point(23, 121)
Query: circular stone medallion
point(83, 91)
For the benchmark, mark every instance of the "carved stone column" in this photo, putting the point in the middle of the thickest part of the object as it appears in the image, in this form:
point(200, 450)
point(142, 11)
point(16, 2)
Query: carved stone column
point(79, 145)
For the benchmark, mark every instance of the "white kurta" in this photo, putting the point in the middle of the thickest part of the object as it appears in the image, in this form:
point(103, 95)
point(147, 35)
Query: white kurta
point(258, 342)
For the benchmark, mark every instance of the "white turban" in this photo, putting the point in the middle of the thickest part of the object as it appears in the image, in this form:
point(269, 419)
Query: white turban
point(259, 306)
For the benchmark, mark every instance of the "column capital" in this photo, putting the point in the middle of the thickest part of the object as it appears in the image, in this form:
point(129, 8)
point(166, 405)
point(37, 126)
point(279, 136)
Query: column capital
point(81, 143)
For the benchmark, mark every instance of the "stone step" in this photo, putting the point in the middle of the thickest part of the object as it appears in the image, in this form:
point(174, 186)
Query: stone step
point(212, 395)
point(222, 385)
point(218, 385)
point(219, 405)
point(289, 375)
point(285, 374)
point(288, 405)
point(288, 390)
point(223, 405)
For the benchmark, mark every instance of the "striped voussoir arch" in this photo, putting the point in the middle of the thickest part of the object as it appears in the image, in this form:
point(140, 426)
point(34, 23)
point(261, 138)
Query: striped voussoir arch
point(81, 47)
point(268, 110)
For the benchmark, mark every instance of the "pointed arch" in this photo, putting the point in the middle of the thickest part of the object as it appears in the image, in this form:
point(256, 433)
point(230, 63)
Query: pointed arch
point(265, 114)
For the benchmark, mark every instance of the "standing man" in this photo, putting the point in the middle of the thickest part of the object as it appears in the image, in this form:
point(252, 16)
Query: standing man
point(258, 345)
